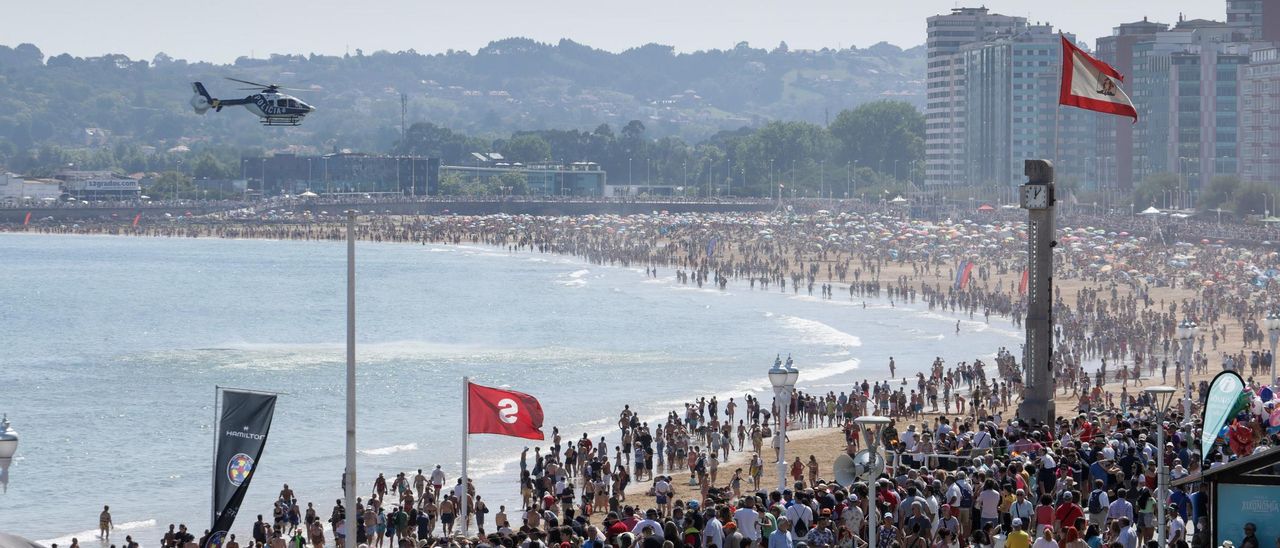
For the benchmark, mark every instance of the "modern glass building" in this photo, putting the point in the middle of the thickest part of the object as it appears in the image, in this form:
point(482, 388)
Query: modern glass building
point(1113, 142)
point(1260, 118)
point(1012, 113)
point(341, 173)
point(945, 118)
point(575, 179)
point(1187, 93)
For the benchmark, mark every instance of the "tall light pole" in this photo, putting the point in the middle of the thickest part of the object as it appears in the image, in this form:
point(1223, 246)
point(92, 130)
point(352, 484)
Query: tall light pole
point(848, 179)
point(349, 483)
point(1273, 330)
point(871, 426)
point(771, 180)
point(783, 380)
point(1160, 396)
point(1186, 333)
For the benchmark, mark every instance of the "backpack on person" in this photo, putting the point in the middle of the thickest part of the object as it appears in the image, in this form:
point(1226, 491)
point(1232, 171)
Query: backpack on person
point(801, 528)
point(966, 496)
point(1095, 501)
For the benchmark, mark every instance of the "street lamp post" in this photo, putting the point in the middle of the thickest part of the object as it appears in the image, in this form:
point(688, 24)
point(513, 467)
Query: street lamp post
point(783, 379)
point(1161, 397)
point(1273, 330)
point(871, 425)
point(1186, 333)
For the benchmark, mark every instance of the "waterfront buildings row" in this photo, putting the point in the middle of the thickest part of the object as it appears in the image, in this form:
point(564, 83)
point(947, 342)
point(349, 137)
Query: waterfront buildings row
point(1207, 95)
point(349, 173)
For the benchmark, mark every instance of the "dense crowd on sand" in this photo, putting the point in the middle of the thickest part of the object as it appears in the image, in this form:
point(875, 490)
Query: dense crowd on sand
point(963, 471)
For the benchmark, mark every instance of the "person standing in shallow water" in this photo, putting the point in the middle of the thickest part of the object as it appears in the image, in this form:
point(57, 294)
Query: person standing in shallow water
point(104, 523)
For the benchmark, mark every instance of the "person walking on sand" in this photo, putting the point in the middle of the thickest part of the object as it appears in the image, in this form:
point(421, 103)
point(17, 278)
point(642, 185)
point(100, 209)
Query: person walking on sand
point(104, 523)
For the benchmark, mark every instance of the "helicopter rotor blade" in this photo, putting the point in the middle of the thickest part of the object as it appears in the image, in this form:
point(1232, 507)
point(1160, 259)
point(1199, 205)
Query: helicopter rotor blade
point(247, 82)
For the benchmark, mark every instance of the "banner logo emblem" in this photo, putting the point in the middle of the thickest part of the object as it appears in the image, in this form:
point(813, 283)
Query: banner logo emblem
point(217, 540)
point(239, 469)
point(508, 410)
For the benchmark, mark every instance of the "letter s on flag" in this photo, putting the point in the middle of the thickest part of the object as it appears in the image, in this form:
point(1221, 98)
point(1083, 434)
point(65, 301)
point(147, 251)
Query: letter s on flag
point(505, 412)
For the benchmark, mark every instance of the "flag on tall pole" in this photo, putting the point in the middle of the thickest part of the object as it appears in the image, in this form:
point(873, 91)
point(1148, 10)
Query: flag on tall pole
point(1091, 84)
point(240, 438)
point(488, 410)
point(506, 412)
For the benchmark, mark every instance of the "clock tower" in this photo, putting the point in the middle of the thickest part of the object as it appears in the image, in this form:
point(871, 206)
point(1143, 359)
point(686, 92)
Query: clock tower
point(1036, 196)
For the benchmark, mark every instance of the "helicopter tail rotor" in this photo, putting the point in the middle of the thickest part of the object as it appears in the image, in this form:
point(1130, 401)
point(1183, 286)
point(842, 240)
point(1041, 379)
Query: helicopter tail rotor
point(201, 102)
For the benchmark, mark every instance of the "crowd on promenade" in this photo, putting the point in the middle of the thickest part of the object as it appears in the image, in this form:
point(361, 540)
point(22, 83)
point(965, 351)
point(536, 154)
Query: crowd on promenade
point(984, 480)
point(963, 472)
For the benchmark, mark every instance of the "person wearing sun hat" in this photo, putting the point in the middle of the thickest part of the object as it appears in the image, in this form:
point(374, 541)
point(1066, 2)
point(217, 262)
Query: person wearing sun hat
point(1018, 538)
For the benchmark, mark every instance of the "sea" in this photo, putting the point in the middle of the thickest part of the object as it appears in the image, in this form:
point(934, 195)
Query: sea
point(113, 348)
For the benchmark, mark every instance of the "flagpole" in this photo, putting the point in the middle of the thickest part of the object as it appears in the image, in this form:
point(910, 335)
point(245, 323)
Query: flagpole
point(466, 437)
point(1057, 113)
point(213, 482)
point(349, 484)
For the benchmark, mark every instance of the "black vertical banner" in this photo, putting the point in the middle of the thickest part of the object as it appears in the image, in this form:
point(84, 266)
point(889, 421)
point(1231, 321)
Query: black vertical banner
point(241, 435)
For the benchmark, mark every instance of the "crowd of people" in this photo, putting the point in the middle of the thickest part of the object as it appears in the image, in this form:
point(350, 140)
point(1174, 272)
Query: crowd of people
point(962, 470)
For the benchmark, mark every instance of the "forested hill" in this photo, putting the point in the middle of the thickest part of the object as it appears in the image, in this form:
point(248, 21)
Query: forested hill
point(513, 84)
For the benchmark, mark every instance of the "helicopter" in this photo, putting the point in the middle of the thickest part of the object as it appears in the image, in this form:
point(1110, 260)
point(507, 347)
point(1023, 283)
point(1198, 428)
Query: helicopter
point(274, 108)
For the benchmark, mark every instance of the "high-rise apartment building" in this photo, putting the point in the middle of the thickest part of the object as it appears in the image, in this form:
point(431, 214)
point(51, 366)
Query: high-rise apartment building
point(945, 131)
point(1113, 142)
point(1260, 117)
point(1254, 20)
point(1012, 112)
point(1187, 84)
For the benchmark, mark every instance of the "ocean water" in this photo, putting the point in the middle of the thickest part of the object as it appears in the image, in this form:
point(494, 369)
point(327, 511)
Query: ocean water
point(113, 348)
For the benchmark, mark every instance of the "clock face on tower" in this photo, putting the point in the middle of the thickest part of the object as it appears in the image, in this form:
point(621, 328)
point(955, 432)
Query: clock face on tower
point(1035, 196)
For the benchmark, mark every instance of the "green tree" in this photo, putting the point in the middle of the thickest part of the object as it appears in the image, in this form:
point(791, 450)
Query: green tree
point(1150, 192)
point(1251, 199)
point(527, 148)
point(887, 136)
point(1219, 192)
point(170, 185)
point(517, 182)
point(454, 184)
point(208, 167)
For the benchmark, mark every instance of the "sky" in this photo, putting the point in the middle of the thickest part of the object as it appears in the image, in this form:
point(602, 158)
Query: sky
point(223, 30)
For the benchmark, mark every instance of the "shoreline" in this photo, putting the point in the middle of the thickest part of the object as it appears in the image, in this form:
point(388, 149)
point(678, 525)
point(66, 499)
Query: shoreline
point(822, 443)
point(607, 426)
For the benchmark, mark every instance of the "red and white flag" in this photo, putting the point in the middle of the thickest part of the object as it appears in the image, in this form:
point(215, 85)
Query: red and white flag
point(1090, 84)
point(506, 412)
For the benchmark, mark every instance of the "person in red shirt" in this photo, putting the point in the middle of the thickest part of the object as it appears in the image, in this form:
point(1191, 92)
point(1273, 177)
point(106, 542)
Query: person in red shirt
point(1067, 513)
point(887, 494)
point(1240, 437)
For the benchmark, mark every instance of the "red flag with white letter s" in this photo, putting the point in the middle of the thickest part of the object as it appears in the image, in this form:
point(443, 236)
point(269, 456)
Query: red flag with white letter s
point(1091, 84)
point(506, 412)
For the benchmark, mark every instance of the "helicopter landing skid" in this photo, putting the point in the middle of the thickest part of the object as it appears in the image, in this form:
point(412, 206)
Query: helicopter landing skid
point(281, 121)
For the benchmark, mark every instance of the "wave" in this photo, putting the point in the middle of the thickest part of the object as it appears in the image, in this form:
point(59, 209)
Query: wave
point(391, 450)
point(816, 332)
point(290, 356)
point(969, 325)
point(93, 533)
point(828, 370)
point(576, 278)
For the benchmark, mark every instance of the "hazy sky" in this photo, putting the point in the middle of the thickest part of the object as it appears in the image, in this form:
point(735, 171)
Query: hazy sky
point(222, 30)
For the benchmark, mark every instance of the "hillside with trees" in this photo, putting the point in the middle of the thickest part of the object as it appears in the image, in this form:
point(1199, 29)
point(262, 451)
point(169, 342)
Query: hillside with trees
point(510, 85)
